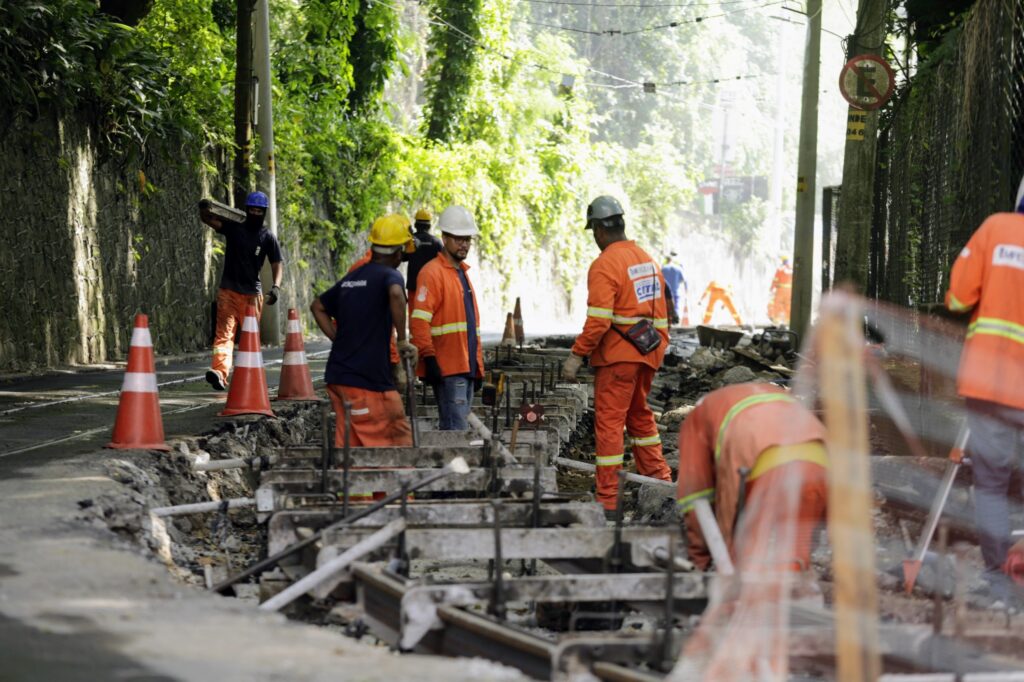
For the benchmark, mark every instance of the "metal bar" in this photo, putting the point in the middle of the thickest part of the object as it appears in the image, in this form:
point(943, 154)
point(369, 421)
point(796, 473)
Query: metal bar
point(411, 391)
point(713, 536)
point(332, 567)
point(635, 478)
point(346, 462)
point(200, 507)
point(325, 445)
point(497, 606)
point(236, 463)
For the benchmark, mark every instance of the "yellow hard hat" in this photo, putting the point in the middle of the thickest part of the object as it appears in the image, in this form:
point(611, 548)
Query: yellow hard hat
point(392, 230)
point(423, 215)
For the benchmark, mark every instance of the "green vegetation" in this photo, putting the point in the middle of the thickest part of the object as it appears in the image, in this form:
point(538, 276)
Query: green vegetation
point(492, 129)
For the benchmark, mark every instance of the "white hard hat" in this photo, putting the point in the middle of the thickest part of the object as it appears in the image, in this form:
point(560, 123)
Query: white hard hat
point(457, 221)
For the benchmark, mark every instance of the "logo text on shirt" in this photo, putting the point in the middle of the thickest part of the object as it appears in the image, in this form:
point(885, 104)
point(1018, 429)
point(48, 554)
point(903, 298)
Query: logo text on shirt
point(647, 289)
point(353, 284)
point(641, 270)
point(1009, 255)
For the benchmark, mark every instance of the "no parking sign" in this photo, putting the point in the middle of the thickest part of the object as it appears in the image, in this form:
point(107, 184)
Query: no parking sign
point(867, 82)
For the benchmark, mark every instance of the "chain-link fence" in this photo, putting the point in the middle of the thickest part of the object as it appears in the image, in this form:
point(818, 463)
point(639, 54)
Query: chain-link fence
point(951, 152)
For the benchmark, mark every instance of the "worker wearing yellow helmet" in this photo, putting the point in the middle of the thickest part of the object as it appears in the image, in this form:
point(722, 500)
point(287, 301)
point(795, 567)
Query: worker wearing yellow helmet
point(365, 305)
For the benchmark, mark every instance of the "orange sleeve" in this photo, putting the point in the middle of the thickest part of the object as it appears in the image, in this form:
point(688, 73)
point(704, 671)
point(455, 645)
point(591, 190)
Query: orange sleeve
point(696, 481)
point(601, 292)
point(424, 305)
point(968, 272)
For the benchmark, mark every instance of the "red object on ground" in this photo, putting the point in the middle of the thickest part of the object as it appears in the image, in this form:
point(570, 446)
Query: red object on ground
point(138, 424)
point(296, 382)
point(248, 392)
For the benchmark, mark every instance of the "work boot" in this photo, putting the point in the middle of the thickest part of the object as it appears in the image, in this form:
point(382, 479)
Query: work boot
point(213, 377)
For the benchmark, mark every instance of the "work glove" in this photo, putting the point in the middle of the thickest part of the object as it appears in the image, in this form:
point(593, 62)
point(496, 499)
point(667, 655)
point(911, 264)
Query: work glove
point(407, 351)
point(433, 371)
point(571, 367)
point(273, 295)
point(399, 377)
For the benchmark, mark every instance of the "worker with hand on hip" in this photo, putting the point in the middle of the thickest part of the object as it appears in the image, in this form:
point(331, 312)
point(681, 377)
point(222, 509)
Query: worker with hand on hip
point(625, 306)
point(445, 322)
point(367, 304)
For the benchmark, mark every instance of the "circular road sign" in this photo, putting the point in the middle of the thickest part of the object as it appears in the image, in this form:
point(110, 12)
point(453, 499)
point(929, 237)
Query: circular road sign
point(867, 82)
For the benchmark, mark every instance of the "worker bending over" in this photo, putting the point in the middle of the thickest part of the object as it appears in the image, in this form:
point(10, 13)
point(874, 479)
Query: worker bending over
point(718, 293)
point(445, 322)
point(988, 279)
point(247, 245)
point(366, 304)
point(781, 294)
point(753, 446)
point(625, 336)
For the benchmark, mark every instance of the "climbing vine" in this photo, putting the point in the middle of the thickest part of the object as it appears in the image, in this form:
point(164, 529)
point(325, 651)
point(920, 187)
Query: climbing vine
point(452, 54)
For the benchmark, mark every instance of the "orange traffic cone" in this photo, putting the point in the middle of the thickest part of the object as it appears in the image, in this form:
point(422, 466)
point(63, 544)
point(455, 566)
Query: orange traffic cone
point(139, 425)
point(517, 319)
point(508, 338)
point(248, 392)
point(296, 383)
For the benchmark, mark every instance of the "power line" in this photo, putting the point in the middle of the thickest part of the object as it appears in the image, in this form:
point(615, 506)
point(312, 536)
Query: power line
point(638, 5)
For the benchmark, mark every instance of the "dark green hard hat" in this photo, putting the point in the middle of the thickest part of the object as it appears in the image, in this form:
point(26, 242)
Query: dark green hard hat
point(602, 207)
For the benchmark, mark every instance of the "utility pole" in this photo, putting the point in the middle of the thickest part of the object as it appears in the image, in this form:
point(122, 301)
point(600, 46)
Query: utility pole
point(243, 98)
point(856, 202)
point(270, 329)
point(806, 187)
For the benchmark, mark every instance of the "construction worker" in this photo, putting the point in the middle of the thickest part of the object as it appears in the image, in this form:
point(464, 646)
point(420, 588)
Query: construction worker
point(624, 287)
point(988, 279)
point(674, 278)
point(247, 245)
point(754, 445)
point(427, 248)
point(397, 368)
point(781, 294)
point(716, 293)
point(445, 322)
point(367, 304)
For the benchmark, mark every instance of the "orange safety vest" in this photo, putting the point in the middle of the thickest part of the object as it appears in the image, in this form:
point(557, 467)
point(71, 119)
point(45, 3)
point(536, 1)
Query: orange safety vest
point(367, 257)
point(988, 278)
point(438, 320)
point(731, 428)
point(624, 286)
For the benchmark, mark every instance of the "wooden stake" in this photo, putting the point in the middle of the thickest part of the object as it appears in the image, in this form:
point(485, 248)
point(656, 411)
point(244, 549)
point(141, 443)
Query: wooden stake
point(844, 398)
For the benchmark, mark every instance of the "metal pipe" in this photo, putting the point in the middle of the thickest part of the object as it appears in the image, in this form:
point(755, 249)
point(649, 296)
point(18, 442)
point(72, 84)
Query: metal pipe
point(713, 536)
point(236, 463)
point(635, 478)
point(411, 390)
point(456, 466)
point(200, 507)
point(334, 566)
point(500, 450)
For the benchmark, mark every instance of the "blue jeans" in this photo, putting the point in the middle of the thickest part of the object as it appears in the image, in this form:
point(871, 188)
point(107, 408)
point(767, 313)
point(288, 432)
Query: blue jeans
point(454, 402)
point(996, 446)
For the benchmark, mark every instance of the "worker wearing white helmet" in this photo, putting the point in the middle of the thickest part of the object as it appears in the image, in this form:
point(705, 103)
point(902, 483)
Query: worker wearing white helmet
point(445, 322)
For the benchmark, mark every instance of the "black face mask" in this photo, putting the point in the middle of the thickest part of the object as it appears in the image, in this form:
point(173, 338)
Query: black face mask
point(254, 222)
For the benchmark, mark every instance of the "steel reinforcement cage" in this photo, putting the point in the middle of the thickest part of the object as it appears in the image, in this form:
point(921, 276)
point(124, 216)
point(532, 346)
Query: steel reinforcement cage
point(950, 153)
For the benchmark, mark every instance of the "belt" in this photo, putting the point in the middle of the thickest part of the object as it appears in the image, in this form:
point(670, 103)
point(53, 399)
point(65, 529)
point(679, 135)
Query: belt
point(811, 451)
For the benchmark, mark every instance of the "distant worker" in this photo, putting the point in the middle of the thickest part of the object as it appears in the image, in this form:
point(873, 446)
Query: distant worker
point(624, 296)
point(718, 293)
point(367, 304)
point(988, 279)
point(445, 322)
point(758, 439)
point(427, 248)
point(781, 294)
point(247, 245)
point(674, 279)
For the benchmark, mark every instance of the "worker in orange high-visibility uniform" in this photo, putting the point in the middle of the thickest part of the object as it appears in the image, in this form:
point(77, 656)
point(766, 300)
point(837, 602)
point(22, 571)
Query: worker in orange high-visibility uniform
point(445, 322)
point(368, 303)
point(718, 293)
point(762, 430)
point(988, 279)
point(781, 294)
point(624, 287)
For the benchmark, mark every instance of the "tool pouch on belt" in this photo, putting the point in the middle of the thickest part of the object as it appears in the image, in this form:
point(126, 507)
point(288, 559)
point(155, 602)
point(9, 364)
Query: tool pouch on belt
point(642, 335)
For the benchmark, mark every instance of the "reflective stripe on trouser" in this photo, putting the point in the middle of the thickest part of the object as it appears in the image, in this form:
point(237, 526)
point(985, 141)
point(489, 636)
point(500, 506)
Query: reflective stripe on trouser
point(231, 307)
point(727, 302)
point(377, 418)
point(620, 400)
point(784, 506)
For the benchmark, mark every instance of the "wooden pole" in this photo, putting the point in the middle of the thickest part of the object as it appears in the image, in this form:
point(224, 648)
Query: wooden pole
point(840, 346)
point(243, 99)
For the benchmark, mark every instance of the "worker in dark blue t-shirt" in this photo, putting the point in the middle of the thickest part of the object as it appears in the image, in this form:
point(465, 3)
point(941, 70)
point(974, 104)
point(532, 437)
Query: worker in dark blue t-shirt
point(427, 248)
point(247, 245)
point(366, 304)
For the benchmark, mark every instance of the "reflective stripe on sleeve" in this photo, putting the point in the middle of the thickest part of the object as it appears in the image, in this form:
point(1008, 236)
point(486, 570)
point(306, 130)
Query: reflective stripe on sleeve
point(223, 350)
point(452, 328)
point(648, 440)
point(423, 315)
point(609, 460)
point(600, 313)
point(248, 359)
point(686, 503)
point(956, 306)
point(749, 401)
